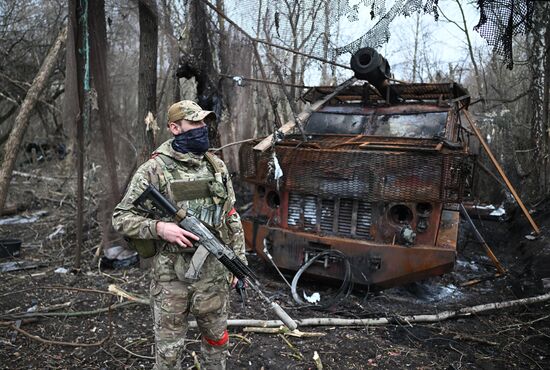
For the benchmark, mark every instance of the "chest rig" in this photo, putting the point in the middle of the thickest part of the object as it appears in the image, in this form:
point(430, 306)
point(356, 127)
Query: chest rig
point(203, 192)
point(200, 190)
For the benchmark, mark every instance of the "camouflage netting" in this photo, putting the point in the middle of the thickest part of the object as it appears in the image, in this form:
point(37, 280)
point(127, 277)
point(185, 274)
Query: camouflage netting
point(500, 20)
point(287, 21)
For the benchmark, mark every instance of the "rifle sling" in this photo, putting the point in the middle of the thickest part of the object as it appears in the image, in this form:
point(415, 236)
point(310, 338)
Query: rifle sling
point(193, 272)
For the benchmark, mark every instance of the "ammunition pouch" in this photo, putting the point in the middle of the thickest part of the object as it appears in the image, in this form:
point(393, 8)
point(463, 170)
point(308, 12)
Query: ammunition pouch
point(144, 247)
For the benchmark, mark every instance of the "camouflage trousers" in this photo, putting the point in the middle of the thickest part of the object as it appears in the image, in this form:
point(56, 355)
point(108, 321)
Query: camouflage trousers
point(172, 301)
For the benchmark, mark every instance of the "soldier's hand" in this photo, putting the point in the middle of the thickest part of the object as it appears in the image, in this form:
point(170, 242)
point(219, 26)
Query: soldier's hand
point(172, 233)
point(234, 282)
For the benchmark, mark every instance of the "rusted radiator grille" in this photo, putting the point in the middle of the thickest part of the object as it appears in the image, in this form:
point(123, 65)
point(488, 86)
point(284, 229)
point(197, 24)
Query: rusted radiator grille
point(311, 213)
point(360, 174)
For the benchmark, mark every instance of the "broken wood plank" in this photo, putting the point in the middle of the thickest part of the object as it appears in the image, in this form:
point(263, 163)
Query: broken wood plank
point(501, 171)
point(303, 116)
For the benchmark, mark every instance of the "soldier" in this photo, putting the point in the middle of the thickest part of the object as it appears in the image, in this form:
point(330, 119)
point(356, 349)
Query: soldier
point(183, 171)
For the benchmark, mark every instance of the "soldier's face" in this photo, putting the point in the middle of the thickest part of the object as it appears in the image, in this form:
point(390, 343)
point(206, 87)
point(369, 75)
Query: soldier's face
point(184, 125)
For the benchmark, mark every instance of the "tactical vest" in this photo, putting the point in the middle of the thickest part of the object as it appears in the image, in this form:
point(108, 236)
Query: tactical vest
point(208, 197)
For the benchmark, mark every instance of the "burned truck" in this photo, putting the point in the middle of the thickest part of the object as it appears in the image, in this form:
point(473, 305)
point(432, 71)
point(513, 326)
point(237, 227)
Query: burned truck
point(377, 173)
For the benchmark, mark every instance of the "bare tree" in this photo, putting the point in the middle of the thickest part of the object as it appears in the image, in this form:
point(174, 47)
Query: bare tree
point(463, 27)
point(11, 149)
point(147, 85)
point(197, 61)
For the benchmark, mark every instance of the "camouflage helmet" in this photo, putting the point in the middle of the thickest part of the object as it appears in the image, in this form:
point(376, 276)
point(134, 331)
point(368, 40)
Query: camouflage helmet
point(188, 110)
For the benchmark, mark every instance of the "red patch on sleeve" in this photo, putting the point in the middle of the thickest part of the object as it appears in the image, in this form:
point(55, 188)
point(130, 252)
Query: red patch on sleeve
point(232, 212)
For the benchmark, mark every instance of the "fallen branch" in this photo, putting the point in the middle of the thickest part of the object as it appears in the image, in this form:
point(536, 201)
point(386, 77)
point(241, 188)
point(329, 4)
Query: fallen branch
point(122, 293)
point(242, 338)
point(58, 287)
point(25, 174)
point(65, 314)
point(59, 343)
point(282, 330)
point(295, 350)
point(134, 354)
point(444, 315)
point(461, 336)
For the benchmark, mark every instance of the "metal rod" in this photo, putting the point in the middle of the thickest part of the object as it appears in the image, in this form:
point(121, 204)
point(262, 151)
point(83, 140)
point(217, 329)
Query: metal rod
point(488, 250)
point(501, 172)
point(256, 55)
point(267, 81)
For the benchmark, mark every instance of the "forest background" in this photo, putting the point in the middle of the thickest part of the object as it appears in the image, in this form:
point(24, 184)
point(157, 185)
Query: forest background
point(103, 99)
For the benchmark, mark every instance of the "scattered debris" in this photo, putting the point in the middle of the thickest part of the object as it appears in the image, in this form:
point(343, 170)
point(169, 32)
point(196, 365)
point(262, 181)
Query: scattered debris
point(61, 270)
point(10, 248)
point(117, 257)
point(17, 265)
point(314, 298)
point(317, 360)
point(23, 219)
point(59, 230)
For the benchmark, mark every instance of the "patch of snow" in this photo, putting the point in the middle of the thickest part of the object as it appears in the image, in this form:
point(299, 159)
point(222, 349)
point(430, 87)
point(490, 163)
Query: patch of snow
point(314, 298)
point(498, 212)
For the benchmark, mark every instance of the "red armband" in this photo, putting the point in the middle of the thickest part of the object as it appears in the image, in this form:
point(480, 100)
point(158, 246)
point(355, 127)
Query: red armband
point(232, 212)
point(224, 339)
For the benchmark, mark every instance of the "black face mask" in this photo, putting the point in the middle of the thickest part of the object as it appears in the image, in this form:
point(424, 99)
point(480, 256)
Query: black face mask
point(194, 141)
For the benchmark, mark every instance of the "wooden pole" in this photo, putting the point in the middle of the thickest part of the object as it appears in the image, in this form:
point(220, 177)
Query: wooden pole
point(488, 250)
point(287, 127)
point(501, 171)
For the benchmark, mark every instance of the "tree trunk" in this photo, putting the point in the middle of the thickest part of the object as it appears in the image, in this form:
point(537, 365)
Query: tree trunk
point(98, 63)
point(198, 62)
point(147, 84)
point(11, 148)
point(472, 57)
point(546, 103)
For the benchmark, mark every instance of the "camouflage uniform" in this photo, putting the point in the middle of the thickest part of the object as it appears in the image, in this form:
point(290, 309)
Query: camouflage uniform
point(173, 296)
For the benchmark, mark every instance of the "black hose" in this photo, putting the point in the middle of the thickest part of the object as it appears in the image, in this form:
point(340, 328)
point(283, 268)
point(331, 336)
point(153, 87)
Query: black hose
point(344, 290)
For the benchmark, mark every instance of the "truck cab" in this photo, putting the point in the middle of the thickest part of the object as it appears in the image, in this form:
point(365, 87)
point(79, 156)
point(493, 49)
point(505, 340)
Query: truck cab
point(377, 174)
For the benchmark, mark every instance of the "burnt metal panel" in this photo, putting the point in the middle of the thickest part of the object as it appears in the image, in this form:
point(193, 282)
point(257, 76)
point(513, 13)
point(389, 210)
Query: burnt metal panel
point(310, 212)
point(364, 174)
point(364, 220)
point(344, 217)
point(382, 265)
point(327, 215)
point(408, 92)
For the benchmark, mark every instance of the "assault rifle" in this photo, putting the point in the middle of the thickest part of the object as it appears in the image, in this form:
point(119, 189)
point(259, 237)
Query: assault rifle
point(187, 221)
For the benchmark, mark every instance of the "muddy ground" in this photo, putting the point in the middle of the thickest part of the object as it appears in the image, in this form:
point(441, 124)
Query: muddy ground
point(512, 338)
